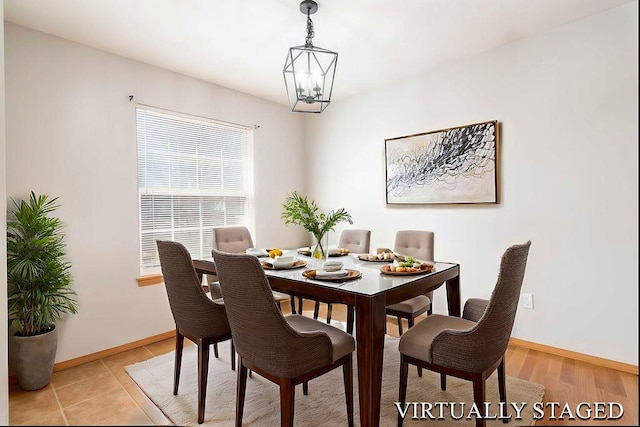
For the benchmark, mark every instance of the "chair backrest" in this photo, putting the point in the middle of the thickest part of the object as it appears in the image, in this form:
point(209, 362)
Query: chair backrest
point(193, 311)
point(260, 332)
point(232, 239)
point(484, 344)
point(357, 241)
point(415, 243)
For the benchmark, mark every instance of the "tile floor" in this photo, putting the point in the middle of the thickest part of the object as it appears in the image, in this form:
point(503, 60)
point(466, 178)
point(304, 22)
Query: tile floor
point(101, 392)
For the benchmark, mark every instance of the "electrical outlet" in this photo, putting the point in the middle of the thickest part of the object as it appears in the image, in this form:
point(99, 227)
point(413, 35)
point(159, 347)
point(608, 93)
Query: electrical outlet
point(527, 301)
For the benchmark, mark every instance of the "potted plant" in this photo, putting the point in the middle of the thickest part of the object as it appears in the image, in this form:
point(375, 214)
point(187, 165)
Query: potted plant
point(299, 210)
point(39, 287)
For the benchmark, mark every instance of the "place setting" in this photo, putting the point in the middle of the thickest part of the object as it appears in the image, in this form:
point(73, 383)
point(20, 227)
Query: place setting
point(275, 259)
point(284, 262)
point(332, 271)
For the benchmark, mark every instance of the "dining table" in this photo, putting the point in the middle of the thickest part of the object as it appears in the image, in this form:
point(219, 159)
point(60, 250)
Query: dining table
point(368, 290)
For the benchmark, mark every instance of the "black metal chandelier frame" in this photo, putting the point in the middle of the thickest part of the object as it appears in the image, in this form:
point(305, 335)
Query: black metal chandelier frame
point(309, 70)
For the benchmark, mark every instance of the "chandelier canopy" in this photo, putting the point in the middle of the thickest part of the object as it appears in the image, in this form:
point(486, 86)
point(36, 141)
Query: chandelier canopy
point(309, 70)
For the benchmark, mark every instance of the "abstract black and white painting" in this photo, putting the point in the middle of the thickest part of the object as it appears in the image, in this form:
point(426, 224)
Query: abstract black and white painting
point(455, 165)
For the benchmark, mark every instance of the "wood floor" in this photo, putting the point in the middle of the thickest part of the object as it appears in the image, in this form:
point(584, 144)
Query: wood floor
point(101, 392)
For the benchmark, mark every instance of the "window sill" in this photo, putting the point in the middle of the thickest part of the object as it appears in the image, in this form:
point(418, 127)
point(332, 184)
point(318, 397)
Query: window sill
point(150, 279)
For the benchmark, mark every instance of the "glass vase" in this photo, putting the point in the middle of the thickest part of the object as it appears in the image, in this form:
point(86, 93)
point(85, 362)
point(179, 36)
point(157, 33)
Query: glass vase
point(319, 249)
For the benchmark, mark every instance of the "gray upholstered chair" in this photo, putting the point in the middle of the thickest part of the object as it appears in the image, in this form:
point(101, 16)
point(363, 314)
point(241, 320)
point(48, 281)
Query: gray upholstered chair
point(358, 242)
point(473, 346)
point(238, 240)
point(197, 317)
point(418, 244)
point(285, 350)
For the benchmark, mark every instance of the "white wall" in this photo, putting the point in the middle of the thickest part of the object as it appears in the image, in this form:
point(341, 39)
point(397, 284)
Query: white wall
point(71, 133)
point(4, 386)
point(567, 103)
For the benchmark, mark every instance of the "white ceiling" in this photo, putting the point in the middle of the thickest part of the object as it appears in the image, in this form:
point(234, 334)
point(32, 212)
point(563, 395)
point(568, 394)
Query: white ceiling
point(243, 44)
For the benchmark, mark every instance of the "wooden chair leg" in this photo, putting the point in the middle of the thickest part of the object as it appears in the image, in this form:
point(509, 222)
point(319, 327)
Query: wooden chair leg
point(233, 357)
point(177, 364)
point(478, 397)
point(287, 395)
point(300, 305)
point(241, 388)
point(402, 394)
point(411, 322)
point(316, 310)
point(305, 388)
point(399, 325)
point(502, 386)
point(443, 381)
point(293, 305)
point(203, 371)
point(329, 311)
point(347, 374)
point(215, 349)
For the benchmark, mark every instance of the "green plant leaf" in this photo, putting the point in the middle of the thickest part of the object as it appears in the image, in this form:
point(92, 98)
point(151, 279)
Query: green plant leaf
point(298, 210)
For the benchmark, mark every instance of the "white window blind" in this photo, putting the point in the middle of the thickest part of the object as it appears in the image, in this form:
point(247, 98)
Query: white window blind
point(193, 174)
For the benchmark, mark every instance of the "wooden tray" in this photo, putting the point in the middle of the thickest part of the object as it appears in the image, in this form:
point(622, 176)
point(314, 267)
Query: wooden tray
point(297, 264)
point(351, 275)
point(307, 252)
point(409, 273)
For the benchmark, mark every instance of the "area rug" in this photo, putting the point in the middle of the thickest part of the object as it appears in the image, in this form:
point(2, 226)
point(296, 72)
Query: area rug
point(325, 404)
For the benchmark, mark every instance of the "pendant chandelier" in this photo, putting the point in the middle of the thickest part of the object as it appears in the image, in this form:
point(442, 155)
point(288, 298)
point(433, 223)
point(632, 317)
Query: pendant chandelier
point(309, 70)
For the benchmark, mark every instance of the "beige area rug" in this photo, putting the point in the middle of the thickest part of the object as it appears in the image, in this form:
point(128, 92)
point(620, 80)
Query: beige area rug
point(325, 405)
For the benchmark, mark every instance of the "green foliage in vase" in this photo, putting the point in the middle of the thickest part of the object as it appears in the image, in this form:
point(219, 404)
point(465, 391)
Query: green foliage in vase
point(300, 211)
point(38, 278)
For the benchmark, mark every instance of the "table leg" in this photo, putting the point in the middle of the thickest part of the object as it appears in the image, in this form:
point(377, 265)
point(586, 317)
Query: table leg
point(453, 295)
point(370, 320)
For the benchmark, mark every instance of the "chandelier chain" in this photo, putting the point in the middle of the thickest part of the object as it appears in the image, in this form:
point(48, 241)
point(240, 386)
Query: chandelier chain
point(309, 39)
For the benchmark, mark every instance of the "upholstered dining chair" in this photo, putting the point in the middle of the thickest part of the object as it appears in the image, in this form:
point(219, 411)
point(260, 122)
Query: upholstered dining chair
point(473, 346)
point(197, 317)
point(238, 240)
point(418, 244)
point(358, 242)
point(285, 350)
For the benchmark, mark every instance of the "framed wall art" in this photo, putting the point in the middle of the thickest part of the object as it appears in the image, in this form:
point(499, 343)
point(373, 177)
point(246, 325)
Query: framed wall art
point(455, 165)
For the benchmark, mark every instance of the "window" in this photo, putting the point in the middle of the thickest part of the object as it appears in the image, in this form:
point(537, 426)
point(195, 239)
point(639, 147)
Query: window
point(193, 174)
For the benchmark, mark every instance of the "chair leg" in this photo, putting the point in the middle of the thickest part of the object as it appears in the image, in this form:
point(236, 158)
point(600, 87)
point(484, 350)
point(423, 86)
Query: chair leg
point(215, 349)
point(347, 374)
point(316, 310)
point(402, 389)
point(350, 319)
point(411, 321)
point(287, 395)
point(241, 388)
point(203, 371)
point(305, 388)
point(293, 305)
point(233, 357)
point(399, 325)
point(478, 397)
point(300, 305)
point(502, 386)
point(443, 381)
point(177, 364)
point(329, 311)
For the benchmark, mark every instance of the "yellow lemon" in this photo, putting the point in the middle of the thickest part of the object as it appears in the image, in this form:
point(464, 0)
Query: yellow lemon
point(275, 252)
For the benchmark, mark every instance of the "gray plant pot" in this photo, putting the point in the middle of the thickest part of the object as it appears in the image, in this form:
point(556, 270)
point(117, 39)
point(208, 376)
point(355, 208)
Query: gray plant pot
point(33, 359)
